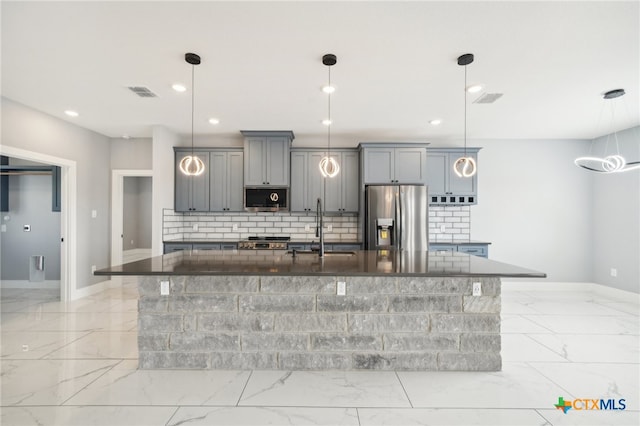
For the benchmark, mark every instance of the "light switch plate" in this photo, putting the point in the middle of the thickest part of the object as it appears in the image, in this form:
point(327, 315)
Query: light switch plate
point(94, 213)
point(342, 288)
point(164, 288)
point(477, 289)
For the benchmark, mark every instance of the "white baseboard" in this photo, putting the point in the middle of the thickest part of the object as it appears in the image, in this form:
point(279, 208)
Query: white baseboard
point(597, 289)
point(93, 289)
point(49, 284)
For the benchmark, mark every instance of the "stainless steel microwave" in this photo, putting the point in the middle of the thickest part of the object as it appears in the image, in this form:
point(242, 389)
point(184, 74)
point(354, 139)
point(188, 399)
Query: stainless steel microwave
point(266, 199)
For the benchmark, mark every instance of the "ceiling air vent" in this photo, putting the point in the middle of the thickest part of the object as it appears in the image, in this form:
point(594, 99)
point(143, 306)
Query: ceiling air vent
point(488, 98)
point(142, 91)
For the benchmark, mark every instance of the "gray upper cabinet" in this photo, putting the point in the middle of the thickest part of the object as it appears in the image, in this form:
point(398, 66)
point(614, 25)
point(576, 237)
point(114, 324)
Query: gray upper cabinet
point(307, 184)
point(340, 193)
point(219, 188)
point(191, 192)
point(266, 158)
point(342, 190)
point(226, 181)
point(445, 187)
point(394, 163)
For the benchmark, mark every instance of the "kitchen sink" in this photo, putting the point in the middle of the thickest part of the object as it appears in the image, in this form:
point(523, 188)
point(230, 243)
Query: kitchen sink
point(327, 253)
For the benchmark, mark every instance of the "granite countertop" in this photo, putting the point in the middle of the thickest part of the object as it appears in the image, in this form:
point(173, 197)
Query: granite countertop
point(358, 263)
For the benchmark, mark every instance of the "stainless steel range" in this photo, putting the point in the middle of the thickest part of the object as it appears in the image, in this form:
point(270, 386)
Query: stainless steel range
point(264, 243)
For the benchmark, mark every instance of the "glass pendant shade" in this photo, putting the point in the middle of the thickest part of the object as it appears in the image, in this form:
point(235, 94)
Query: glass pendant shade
point(329, 167)
point(192, 165)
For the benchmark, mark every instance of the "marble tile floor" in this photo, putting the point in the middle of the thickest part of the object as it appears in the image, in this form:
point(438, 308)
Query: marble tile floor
point(75, 364)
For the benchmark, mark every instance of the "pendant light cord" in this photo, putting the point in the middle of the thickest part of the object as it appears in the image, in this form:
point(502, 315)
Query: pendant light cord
point(193, 93)
point(465, 110)
point(330, 123)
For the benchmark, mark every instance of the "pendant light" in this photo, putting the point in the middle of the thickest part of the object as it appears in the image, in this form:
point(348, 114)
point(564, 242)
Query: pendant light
point(465, 166)
point(192, 165)
point(613, 163)
point(329, 167)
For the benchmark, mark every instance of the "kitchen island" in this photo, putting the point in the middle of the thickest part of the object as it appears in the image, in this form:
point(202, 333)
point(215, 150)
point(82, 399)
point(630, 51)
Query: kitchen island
point(271, 309)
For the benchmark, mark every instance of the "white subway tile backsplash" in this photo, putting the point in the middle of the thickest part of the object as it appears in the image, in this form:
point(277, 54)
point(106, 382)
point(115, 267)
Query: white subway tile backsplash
point(219, 226)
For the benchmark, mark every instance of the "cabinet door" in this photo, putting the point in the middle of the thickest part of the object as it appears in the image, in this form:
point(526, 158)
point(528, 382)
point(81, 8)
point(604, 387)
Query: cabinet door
point(333, 192)
point(218, 183)
point(192, 192)
point(461, 185)
point(378, 165)
point(480, 250)
point(437, 173)
point(350, 174)
point(255, 161)
point(277, 162)
point(298, 190)
point(315, 181)
point(235, 181)
point(410, 165)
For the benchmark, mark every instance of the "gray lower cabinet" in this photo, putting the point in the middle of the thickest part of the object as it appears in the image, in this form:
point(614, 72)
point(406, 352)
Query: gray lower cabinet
point(445, 186)
point(394, 163)
point(480, 249)
point(226, 181)
point(171, 247)
point(327, 246)
point(191, 192)
point(266, 158)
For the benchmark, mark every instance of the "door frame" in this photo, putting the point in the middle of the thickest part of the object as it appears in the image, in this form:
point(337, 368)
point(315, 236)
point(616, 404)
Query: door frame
point(117, 206)
point(68, 214)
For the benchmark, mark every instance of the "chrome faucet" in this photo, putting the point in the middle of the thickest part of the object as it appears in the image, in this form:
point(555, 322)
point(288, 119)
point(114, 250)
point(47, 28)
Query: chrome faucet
point(319, 225)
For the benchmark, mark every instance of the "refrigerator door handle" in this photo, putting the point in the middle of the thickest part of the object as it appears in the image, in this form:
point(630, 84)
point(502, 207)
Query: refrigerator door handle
point(398, 222)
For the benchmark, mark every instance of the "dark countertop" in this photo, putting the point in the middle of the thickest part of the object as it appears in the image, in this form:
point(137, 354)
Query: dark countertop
point(360, 263)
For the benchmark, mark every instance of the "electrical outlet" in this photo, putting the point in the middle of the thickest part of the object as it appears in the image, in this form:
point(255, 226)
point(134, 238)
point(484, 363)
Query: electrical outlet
point(307, 228)
point(131, 242)
point(442, 228)
point(329, 228)
point(93, 268)
point(342, 288)
point(25, 348)
point(164, 288)
point(614, 272)
point(195, 226)
point(234, 227)
point(3, 228)
point(94, 213)
point(477, 289)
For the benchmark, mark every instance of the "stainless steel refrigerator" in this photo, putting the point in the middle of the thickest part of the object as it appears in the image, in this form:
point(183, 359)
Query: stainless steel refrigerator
point(396, 217)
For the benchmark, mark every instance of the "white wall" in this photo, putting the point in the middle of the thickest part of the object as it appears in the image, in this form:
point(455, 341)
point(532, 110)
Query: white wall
point(534, 205)
point(616, 216)
point(131, 154)
point(163, 182)
point(28, 129)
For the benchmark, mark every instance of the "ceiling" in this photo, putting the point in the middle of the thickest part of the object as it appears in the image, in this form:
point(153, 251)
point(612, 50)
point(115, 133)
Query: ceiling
point(261, 66)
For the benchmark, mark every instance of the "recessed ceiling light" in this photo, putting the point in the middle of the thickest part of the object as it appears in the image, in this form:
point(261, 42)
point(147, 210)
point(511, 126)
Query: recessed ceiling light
point(179, 87)
point(326, 122)
point(71, 113)
point(214, 121)
point(435, 122)
point(328, 89)
point(475, 88)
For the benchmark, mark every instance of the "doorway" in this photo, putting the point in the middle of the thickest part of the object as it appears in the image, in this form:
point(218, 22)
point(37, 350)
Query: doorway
point(68, 202)
point(131, 234)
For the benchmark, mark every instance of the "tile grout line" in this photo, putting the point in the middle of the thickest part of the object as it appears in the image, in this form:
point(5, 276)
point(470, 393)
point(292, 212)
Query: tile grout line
point(244, 388)
point(403, 389)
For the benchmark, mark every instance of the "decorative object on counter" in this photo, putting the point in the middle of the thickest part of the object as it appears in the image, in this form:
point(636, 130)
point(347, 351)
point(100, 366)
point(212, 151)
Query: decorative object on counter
point(192, 165)
point(465, 166)
point(612, 163)
point(329, 167)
